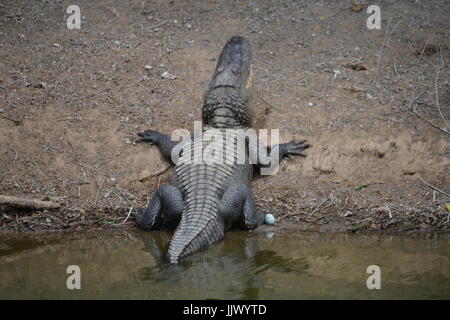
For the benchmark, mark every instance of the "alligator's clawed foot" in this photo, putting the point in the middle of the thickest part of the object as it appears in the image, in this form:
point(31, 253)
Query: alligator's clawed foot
point(138, 212)
point(149, 136)
point(294, 148)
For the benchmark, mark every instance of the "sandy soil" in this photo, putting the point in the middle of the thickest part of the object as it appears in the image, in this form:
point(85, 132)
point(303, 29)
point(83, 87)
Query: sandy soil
point(374, 104)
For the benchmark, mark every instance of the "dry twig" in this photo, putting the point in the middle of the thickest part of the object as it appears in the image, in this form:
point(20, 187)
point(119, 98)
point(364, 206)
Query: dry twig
point(437, 93)
point(310, 215)
point(156, 173)
point(26, 203)
point(411, 109)
point(128, 215)
point(433, 187)
point(383, 48)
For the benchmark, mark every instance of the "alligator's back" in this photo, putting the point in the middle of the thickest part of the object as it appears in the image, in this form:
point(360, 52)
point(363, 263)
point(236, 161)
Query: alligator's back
point(202, 177)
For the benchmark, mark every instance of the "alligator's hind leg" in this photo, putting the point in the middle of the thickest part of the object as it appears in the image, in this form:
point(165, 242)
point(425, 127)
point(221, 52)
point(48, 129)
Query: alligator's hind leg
point(167, 201)
point(238, 204)
point(159, 139)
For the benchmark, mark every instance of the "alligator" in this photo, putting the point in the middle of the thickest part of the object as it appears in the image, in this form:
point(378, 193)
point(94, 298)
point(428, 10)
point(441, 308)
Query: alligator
point(206, 198)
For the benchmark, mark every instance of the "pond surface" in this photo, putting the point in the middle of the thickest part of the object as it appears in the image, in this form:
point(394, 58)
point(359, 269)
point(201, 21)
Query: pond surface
point(246, 265)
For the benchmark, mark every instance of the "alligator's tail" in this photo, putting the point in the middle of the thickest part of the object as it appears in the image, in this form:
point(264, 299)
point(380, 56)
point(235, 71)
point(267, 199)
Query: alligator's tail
point(200, 226)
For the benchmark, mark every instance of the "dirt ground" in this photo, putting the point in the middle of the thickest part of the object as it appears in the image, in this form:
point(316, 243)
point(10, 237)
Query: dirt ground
point(373, 103)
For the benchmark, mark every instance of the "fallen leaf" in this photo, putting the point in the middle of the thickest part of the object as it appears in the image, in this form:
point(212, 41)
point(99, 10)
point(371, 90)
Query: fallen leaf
point(357, 7)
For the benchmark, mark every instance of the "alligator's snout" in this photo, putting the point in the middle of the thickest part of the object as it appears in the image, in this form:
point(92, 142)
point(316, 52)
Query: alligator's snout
point(234, 66)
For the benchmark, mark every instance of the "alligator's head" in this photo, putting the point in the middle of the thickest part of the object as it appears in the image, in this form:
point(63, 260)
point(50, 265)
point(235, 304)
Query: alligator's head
point(226, 103)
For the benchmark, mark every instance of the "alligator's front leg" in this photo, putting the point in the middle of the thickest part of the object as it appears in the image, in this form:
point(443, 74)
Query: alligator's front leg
point(159, 139)
point(286, 150)
point(274, 155)
point(167, 204)
point(238, 204)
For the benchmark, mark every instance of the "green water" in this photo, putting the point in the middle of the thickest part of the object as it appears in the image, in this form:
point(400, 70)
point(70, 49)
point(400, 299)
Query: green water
point(246, 265)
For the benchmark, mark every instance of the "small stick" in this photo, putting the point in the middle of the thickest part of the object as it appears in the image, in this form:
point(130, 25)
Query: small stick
point(384, 45)
point(423, 49)
point(307, 219)
point(414, 99)
point(158, 24)
point(437, 94)
point(84, 174)
point(121, 195)
point(268, 104)
point(96, 195)
point(395, 68)
point(128, 215)
point(156, 173)
point(389, 211)
point(356, 222)
point(26, 203)
point(429, 122)
point(433, 187)
point(411, 109)
point(15, 158)
point(345, 204)
point(11, 165)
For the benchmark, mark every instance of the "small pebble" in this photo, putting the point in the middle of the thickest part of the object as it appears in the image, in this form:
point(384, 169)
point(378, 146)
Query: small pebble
point(167, 75)
point(270, 219)
point(348, 214)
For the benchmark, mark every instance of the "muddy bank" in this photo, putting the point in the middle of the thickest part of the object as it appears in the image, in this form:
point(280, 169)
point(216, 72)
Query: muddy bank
point(328, 220)
point(373, 103)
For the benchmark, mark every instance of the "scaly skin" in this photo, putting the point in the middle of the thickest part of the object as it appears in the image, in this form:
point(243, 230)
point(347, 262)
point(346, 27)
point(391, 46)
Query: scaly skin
point(204, 199)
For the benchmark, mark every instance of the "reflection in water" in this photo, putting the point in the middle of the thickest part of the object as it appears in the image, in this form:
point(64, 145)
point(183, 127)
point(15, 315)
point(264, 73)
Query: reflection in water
point(255, 265)
point(236, 272)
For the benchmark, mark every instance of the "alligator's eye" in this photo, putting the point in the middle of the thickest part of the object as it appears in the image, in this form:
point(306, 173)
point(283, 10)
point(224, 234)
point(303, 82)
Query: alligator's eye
point(236, 71)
